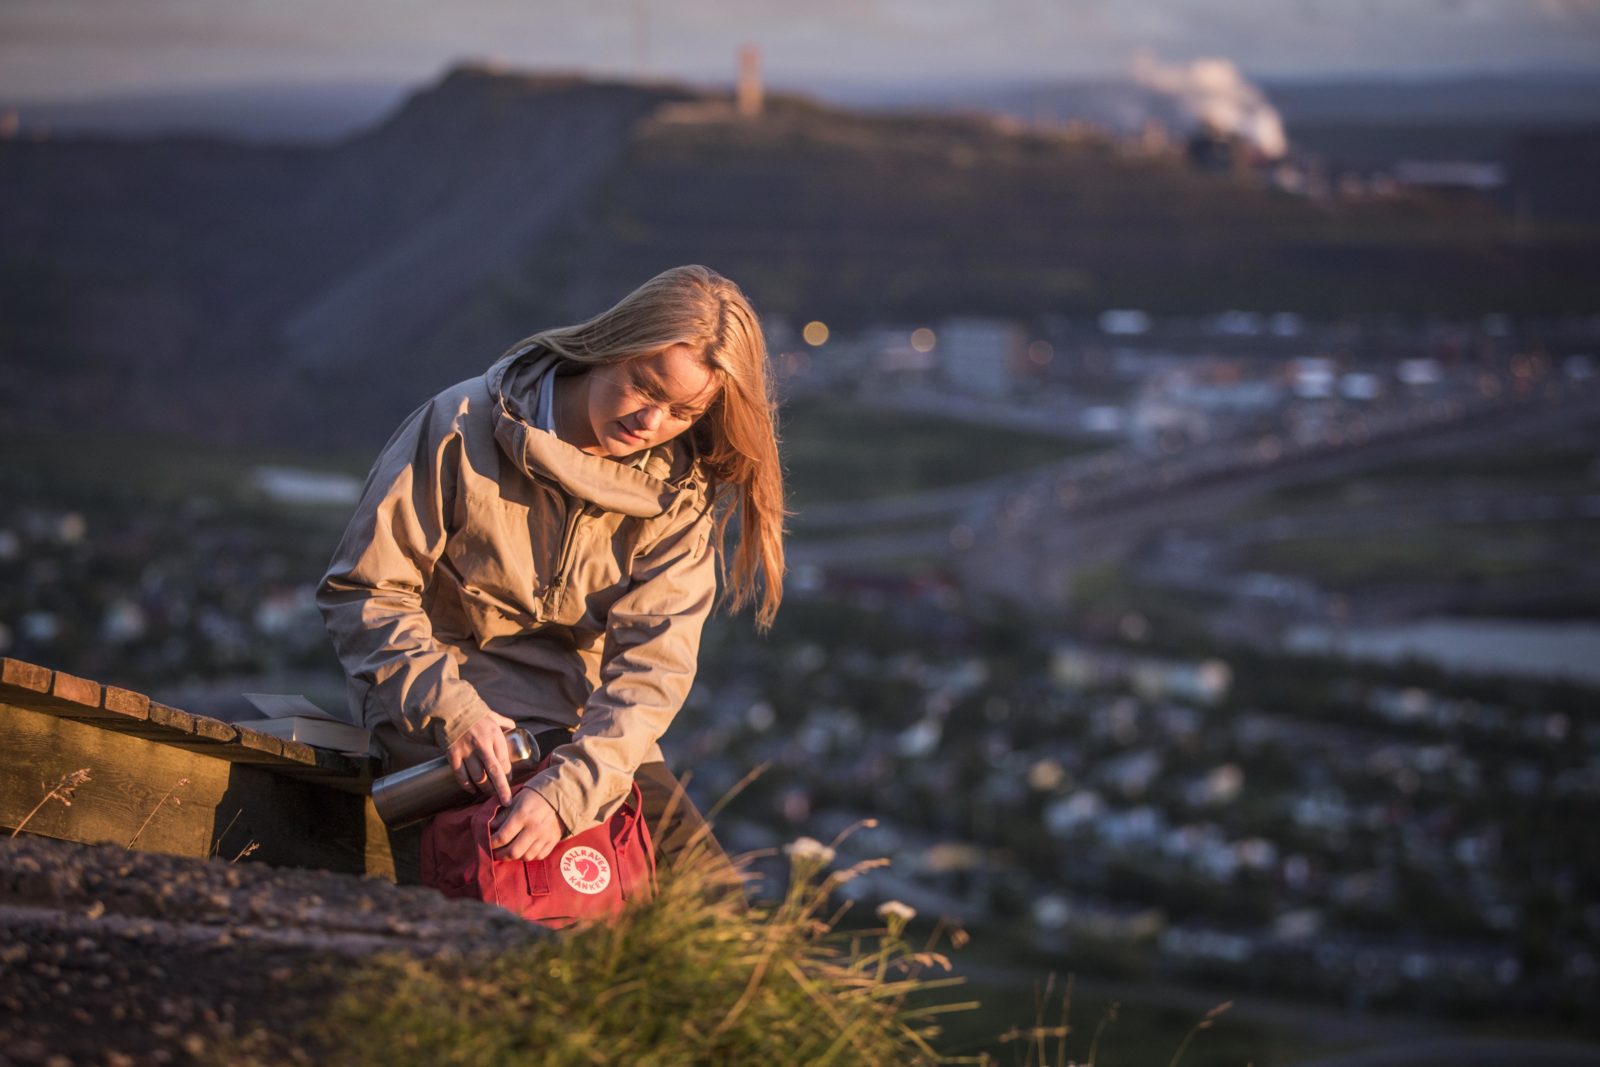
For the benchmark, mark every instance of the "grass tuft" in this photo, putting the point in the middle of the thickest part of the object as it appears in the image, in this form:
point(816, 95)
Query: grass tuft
point(693, 977)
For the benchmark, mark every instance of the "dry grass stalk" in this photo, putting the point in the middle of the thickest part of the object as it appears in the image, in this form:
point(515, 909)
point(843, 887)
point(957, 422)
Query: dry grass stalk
point(216, 846)
point(1105, 1020)
point(1036, 1036)
point(1204, 1024)
point(179, 784)
point(62, 791)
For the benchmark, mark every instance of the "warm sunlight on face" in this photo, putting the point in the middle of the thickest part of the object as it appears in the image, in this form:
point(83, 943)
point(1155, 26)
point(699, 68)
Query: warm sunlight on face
point(646, 401)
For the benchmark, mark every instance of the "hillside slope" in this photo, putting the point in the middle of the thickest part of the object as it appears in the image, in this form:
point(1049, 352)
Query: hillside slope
point(233, 290)
point(173, 276)
point(856, 217)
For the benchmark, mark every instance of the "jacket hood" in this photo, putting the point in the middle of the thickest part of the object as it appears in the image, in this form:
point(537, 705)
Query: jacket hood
point(642, 486)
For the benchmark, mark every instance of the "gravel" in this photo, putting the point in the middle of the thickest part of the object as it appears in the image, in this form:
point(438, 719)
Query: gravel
point(115, 957)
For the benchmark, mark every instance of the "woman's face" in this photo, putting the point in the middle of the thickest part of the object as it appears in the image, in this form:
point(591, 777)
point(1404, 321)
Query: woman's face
point(646, 401)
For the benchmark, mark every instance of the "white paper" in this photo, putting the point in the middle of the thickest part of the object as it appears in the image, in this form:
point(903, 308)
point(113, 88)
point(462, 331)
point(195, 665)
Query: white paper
point(281, 705)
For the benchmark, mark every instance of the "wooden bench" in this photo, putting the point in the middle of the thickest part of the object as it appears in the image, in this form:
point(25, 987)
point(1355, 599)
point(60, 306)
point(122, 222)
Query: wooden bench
point(241, 792)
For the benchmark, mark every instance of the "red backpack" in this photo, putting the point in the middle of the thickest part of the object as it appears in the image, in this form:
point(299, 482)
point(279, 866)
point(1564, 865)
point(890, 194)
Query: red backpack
point(591, 875)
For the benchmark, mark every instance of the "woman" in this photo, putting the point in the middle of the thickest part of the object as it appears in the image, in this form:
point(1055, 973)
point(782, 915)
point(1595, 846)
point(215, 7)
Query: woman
point(539, 547)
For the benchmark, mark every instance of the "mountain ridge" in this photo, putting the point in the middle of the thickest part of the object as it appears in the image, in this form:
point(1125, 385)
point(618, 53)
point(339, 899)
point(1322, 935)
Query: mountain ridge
point(160, 283)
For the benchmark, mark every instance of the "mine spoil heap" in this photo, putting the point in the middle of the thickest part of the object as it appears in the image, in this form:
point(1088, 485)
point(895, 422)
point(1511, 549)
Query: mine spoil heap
point(120, 957)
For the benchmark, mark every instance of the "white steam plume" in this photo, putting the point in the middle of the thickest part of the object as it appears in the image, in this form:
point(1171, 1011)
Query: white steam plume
point(1213, 91)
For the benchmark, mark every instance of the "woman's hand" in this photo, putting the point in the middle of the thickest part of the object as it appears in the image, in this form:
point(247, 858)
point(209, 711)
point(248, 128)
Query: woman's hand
point(481, 757)
point(527, 830)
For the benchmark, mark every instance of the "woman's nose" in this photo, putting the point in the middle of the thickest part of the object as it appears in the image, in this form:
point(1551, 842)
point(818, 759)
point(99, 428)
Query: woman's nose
point(650, 418)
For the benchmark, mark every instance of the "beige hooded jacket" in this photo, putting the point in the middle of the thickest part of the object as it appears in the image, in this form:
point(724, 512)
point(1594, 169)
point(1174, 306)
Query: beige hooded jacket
point(490, 565)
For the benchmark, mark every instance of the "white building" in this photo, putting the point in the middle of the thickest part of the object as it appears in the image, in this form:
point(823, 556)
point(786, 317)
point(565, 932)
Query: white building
point(980, 356)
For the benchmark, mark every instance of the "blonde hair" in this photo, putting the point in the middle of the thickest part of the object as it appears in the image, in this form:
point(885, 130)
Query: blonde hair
point(737, 436)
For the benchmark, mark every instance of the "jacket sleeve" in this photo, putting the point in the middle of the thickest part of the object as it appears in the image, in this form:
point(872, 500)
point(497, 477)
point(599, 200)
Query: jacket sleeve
point(372, 595)
point(652, 646)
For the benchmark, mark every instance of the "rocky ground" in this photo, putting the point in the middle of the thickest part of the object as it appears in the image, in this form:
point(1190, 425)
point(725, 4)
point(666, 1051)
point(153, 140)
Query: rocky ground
point(115, 957)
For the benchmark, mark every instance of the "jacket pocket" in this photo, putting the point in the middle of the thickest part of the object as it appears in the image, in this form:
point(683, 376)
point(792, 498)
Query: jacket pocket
point(503, 556)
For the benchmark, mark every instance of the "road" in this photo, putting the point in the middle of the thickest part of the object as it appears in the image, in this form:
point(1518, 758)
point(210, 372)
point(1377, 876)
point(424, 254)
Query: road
point(1022, 537)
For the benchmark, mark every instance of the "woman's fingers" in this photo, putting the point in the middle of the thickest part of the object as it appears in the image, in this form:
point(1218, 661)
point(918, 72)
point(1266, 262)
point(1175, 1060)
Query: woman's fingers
point(504, 826)
point(458, 764)
point(529, 843)
point(517, 836)
point(494, 758)
point(527, 830)
point(498, 764)
point(481, 757)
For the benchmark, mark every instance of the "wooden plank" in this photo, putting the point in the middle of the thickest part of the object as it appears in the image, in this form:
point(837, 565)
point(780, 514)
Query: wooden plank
point(75, 692)
point(39, 688)
point(293, 757)
point(194, 732)
point(34, 686)
point(340, 765)
point(59, 693)
point(129, 712)
point(126, 704)
point(298, 752)
point(171, 718)
point(337, 771)
point(22, 677)
point(322, 762)
point(121, 709)
point(212, 731)
point(253, 746)
point(237, 744)
point(220, 807)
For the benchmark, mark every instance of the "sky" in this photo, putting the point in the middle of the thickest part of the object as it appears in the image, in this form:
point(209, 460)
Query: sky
point(85, 48)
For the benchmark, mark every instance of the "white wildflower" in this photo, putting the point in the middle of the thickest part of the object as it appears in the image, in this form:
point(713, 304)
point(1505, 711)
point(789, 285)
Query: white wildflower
point(808, 850)
point(896, 911)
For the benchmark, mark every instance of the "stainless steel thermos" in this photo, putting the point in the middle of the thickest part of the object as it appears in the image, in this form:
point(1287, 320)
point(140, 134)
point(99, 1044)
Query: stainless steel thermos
point(416, 793)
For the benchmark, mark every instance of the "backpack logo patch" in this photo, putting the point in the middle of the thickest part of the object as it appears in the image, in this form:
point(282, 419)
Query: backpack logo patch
point(585, 870)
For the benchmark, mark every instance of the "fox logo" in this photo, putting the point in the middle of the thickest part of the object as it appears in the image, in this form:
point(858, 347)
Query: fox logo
point(585, 870)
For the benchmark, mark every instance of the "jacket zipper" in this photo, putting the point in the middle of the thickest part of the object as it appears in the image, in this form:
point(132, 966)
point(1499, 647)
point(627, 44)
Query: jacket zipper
point(552, 594)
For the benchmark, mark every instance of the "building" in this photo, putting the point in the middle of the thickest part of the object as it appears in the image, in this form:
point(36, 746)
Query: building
point(980, 357)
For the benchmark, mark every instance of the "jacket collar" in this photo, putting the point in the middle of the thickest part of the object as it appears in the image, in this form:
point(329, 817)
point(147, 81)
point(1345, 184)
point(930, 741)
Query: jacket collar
point(641, 486)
